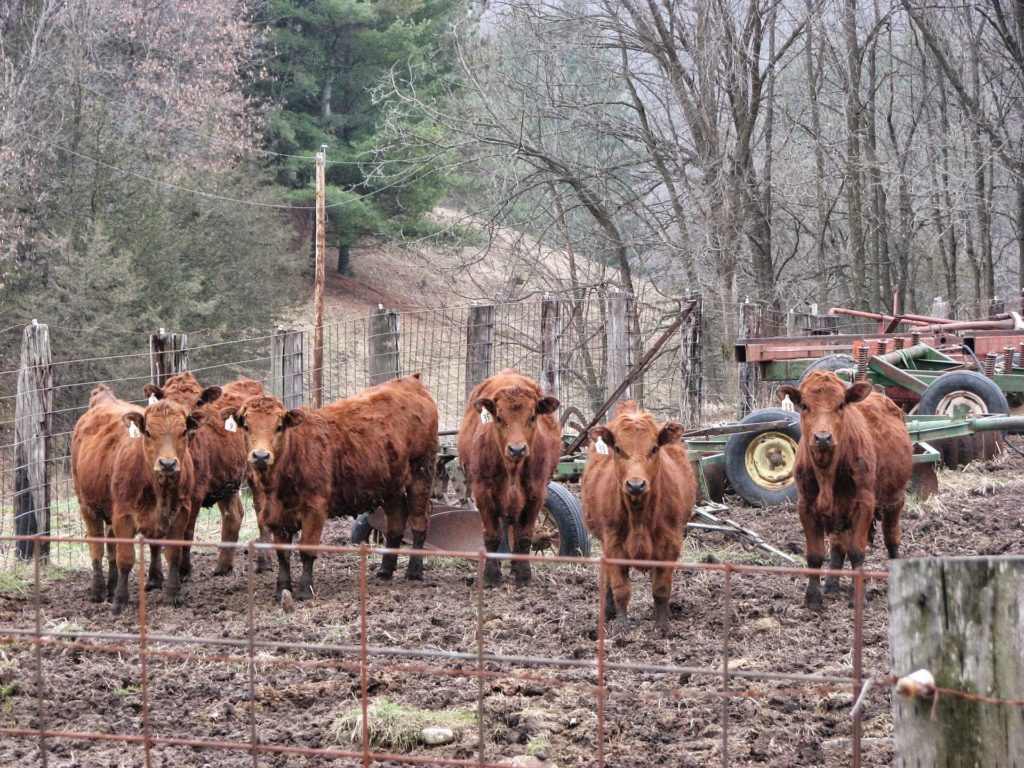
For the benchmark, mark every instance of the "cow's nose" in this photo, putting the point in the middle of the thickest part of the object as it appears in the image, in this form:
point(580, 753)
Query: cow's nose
point(260, 458)
point(636, 487)
point(516, 450)
point(822, 439)
point(168, 465)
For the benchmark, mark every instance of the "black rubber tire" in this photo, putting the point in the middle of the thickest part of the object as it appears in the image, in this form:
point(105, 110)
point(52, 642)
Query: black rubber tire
point(958, 451)
point(574, 541)
point(828, 363)
point(735, 459)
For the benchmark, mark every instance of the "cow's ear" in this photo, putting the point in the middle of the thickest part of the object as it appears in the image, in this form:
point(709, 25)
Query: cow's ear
point(232, 413)
point(859, 391)
point(152, 390)
point(209, 395)
point(293, 418)
point(547, 405)
point(791, 392)
point(603, 434)
point(134, 419)
point(195, 420)
point(482, 403)
point(672, 433)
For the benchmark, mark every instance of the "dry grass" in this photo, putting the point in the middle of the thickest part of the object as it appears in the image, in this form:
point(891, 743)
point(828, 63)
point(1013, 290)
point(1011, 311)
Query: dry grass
point(397, 726)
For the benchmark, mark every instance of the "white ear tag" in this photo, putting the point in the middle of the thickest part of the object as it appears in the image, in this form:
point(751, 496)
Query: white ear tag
point(485, 416)
point(231, 425)
point(787, 404)
point(601, 447)
point(133, 430)
point(153, 400)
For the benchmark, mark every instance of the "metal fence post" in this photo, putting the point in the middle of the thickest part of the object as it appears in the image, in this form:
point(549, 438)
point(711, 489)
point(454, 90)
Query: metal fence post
point(479, 344)
point(33, 407)
point(383, 345)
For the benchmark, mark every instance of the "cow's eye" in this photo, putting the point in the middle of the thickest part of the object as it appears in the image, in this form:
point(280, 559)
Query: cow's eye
point(618, 450)
point(199, 402)
point(500, 420)
point(654, 450)
point(280, 427)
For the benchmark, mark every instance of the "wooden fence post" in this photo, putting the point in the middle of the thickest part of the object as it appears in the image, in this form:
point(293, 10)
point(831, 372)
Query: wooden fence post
point(692, 360)
point(620, 350)
point(286, 363)
point(168, 355)
point(996, 306)
point(959, 618)
point(479, 344)
point(550, 345)
point(383, 345)
point(751, 327)
point(939, 308)
point(33, 407)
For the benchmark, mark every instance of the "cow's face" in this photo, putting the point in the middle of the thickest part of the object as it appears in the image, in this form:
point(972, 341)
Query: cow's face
point(822, 400)
point(512, 418)
point(164, 428)
point(183, 389)
point(264, 422)
point(634, 441)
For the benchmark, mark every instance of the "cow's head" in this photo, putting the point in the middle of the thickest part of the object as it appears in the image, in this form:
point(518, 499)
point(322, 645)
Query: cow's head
point(634, 440)
point(822, 400)
point(164, 429)
point(183, 389)
point(264, 422)
point(512, 416)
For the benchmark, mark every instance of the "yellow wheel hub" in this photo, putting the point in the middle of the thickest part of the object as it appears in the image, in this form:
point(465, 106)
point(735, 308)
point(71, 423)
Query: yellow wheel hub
point(770, 458)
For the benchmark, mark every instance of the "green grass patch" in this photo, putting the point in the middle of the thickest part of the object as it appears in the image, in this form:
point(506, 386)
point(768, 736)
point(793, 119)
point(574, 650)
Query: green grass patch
point(127, 690)
point(538, 745)
point(396, 726)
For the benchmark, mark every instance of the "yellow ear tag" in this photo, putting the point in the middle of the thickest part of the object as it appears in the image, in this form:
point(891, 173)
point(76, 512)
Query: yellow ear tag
point(485, 416)
point(601, 447)
point(133, 430)
point(153, 400)
point(230, 424)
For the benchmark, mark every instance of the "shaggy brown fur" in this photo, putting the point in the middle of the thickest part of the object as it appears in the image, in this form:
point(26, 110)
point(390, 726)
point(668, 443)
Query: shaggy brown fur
point(376, 448)
point(509, 456)
point(852, 465)
point(219, 458)
point(638, 499)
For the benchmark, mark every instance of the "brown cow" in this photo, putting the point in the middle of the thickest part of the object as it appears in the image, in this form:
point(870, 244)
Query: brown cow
point(219, 458)
point(852, 465)
point(509, 444)
point(376, 448)
point(151, 489)
point(94, 444)
point(638, 492)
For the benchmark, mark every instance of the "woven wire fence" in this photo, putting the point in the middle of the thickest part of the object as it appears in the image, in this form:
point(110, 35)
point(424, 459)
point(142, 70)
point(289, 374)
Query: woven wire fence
point(453, 348)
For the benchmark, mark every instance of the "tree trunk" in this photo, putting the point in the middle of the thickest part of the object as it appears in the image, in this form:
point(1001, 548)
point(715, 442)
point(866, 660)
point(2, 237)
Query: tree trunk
point(854, 185)
point(343, 260)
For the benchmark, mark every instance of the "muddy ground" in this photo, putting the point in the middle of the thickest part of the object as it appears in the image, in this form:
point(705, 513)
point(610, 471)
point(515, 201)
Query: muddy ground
point(654, 717)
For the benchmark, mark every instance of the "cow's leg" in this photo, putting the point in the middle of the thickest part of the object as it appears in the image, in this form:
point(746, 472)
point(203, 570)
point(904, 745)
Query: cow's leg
point(609, 603)
point(863, 514)
point(312, 529)
point(231, 512)
point(417, 495)
point(523, 539)
point(172, 590)
point(622, 590)
point(111, 563)
point(284, 565)
point(94, 529)
point(815, 540)
point(891, 532)
point(263, 563)
point(125, 556)
point(395, 515)
point(492, 537)
point(661, 587)
point(185, 561)
point(836, 556)
point(155, 576)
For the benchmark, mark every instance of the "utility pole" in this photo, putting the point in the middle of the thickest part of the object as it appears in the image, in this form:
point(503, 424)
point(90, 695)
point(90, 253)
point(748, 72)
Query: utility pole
point(318, 289)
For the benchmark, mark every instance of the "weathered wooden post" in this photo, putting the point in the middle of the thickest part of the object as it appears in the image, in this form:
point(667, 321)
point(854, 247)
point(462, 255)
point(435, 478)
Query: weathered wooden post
point(168, 355)
point(32, 421)
point(382, 345)
point(479, 344)
point(550, 345)
point(751, 327)
point(962, 619)
point(940, 308)
point(286, 362)
point(692, 361)
point(996, 306)
point(618, 308)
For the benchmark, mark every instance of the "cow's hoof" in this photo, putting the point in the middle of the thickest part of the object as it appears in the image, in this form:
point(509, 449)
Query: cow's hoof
point(894, 551)
point(263, 565)
point(303, 592)
point(831, 585)
point(385, 575)
point(118, 606)
point(172, 598)
point(222, 569)
point(813, 603)
point(620, 627)
point(414, 575)
point(661, 628)
point(98, 594)
point(152, 584)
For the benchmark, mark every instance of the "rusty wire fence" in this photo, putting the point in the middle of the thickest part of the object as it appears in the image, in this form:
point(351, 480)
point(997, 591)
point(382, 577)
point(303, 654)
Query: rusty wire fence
point(260, 713)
